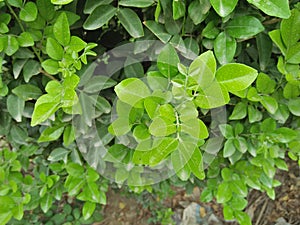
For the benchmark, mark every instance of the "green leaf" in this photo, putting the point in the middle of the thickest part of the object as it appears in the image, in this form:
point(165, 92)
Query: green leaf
point(198, 10)
point(229, 148)
point(30, 69)
point(289, 32)
point(224, 48)
point(61, 2)
point(46, 9)
point(27, 92)
point(235, 76)
point(69, 135)
point(131, 22)
point(167, 61)
point(254, 114)
point(15, 3)
point(212, 97)
point(75, 169)
point(223, 7)
point(158, 30)
point(226, 130)
point(161, 149)
point(264, 46)
point(98, 83)
point(100, 16)
point(294, 106)
point(284, 134)
point(224, 193)
point(196, 164)
point(88, 209)
point(12, 45)
point(293, 54)
point(161, 127)
point(131, 91)
point(136, 3)
point(133, 68)
point(15, 107)
point(29, 12)
point(242, 218)
point(244, 27)
point(141, 132)
point(25, 40)
point(178, 8)
point(275, 35)
point(46, 202)
point(51, 133)
point(265, 84)
point(239, 112)
point(238, 203)
point(195, 128)
point(54, 49)
point(59, 154)
point(277, 8)
point(77, 44)
point(228, 212)
point(202, 70)
point(61, 29)
point(269, 103)
point(50, 66)
point(291, 91)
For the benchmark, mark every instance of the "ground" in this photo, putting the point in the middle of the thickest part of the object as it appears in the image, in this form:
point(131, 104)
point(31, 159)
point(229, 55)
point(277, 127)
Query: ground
point(124, 210)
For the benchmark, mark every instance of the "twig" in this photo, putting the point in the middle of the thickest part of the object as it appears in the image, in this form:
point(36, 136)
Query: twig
point(261, 212)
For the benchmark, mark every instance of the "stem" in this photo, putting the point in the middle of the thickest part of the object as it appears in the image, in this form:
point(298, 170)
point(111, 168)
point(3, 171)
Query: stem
point(47, 74)
point(23, 30)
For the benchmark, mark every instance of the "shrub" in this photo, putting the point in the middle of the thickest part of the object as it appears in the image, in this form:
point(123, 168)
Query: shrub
point(198, 92)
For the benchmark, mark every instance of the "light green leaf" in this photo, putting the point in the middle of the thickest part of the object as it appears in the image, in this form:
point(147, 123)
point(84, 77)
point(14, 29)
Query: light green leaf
point(235, 76)
point(277, 8)
point(15, 3)
point(120, 127)
point(161, 127)
point(277, 39)
point(294, 106)
point(12, 45)
point(293, 54)
point(269, 103)
point(61, 2)
point(226, 130)
point(51, 133)
point(196, 164)
point(178, 7)
point(158, 30)
point(29, 12)
point(141, 132)
point(54, 49)
point(15, 107)
point(224, 48)
point(167, 61)
point(289, 29)
point(202, 70)
point(25, 40)
point(239, 112)
point(61, 29)
point(100, 16)
point(265, 84)
point(46, 202)
point(136, 3)
point(284, 134)
point(131, 91)
point(229, 148)
point(69, 135)
point(50, 66)
point(161, 149)
point(223, 7)
point(224, 193)
point(88, 209)
point(77, 44)
point(212, 97)
point(195, 128)
point(244, 27)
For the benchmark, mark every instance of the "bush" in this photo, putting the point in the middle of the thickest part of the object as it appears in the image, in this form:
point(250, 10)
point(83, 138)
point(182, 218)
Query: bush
point(200, 92)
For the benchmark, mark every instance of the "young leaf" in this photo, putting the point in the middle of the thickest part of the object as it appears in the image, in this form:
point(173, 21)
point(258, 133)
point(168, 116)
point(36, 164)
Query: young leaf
point(223, 7)
point(224, 193)
point(61, 2)
point(88, 209)
point(235, 76)
point(61, 29)
point(51, 133)
point(50, 66)
point(131, 22)
point(100, 16)
point(244, 27)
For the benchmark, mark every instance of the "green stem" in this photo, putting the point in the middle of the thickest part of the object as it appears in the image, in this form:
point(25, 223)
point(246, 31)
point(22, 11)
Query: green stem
point(23, 30)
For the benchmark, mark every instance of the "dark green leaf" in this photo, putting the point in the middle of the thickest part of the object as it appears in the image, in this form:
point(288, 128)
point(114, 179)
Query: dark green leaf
point(224, 48)
point(167, 61)
point(15, 107)
point(98, 83)
point(131, 22)
point(136, 3)
point(30, 69)
point(158, 30)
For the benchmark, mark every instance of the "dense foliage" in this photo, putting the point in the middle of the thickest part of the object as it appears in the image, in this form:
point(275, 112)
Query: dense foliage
point(134, 92)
